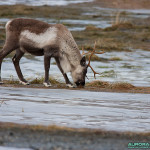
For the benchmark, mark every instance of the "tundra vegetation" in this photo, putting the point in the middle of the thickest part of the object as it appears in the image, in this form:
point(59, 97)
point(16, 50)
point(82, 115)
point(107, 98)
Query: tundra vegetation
point(123, 35)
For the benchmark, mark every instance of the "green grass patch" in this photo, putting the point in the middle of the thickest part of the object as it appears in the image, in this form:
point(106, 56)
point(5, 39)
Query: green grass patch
point(115, 59)
point(110, 73)
point(120, 26)
point(130, 66)
point(103, 67)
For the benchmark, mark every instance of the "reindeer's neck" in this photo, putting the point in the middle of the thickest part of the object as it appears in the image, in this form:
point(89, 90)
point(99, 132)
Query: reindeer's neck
point(70, 49)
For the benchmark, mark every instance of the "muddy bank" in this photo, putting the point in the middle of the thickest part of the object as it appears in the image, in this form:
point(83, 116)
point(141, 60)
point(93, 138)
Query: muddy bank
point(58, 138)
point(100, 87)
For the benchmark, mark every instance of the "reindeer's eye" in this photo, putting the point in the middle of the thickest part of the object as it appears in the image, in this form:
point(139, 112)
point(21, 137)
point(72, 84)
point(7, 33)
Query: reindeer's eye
point(83, 61)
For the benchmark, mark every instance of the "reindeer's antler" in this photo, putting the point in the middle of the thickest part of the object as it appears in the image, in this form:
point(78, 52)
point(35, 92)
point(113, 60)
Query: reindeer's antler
point(83, 53)
point(91, 54)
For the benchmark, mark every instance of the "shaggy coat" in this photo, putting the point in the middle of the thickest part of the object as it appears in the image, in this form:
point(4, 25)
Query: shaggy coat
point(51, 40)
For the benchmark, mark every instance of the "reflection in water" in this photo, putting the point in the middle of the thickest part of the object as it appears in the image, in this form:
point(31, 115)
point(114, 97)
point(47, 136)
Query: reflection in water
point(79, 109)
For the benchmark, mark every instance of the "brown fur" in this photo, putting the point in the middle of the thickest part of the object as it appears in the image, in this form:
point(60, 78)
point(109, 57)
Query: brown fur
point(35, 26)
point(63, 44)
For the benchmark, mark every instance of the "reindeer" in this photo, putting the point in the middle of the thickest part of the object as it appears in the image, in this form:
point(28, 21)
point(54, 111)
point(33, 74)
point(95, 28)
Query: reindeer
point(51, 40)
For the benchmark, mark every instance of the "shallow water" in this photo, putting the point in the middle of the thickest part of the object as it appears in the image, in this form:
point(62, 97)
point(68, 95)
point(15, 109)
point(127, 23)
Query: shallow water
point(42, 2)
point(13, 148)
point(78, 109)
point(133, 68)
point(136, 13)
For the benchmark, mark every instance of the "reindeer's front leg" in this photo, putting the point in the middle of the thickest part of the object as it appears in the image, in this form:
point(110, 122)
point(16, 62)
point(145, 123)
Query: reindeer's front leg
point(16, 60)
point(47, 59)
point(68, 83)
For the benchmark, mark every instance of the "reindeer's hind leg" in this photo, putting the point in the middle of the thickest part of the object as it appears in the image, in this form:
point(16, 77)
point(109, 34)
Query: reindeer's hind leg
point(16, 60)
point(7, 49)
point(47, 59)
point(68, 83)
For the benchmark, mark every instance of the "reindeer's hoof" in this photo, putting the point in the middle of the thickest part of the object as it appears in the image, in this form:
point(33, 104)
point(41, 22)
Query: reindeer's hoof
point(47, 84)
point(24, 83)
point(70, 85)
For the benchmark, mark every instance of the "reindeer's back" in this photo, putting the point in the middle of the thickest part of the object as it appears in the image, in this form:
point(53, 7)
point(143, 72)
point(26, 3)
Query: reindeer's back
point(68, 45)
point(32, 25)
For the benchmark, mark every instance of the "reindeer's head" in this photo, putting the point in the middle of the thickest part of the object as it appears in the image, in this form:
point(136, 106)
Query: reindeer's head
point(79, 73)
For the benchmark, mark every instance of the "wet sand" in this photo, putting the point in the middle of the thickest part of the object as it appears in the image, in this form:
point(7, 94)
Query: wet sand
point(61, 138)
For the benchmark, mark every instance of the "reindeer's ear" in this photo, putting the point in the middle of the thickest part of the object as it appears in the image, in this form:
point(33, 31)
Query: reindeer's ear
point(83, 61)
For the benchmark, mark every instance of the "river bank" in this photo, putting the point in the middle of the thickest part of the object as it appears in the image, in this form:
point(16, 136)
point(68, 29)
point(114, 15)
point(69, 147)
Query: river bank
point(97, 86)
point(61, 138)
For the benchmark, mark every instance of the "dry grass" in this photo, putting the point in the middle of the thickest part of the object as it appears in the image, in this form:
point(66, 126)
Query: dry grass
point(109, 44)
point(98, 83)
point(11, 81)
point(40, 81)
point(121, 85)
point(120, 17)
point(107, 85)
point(120, 26)
point(115, 59)
point(92, 27)
point(109, 73)
point(117, 19)
point(94, 58)
point(66, 131)
point(35, 81)
point(57, 12)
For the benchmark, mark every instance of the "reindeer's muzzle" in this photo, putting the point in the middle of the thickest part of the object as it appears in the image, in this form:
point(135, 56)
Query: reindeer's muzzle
point(80, 83)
